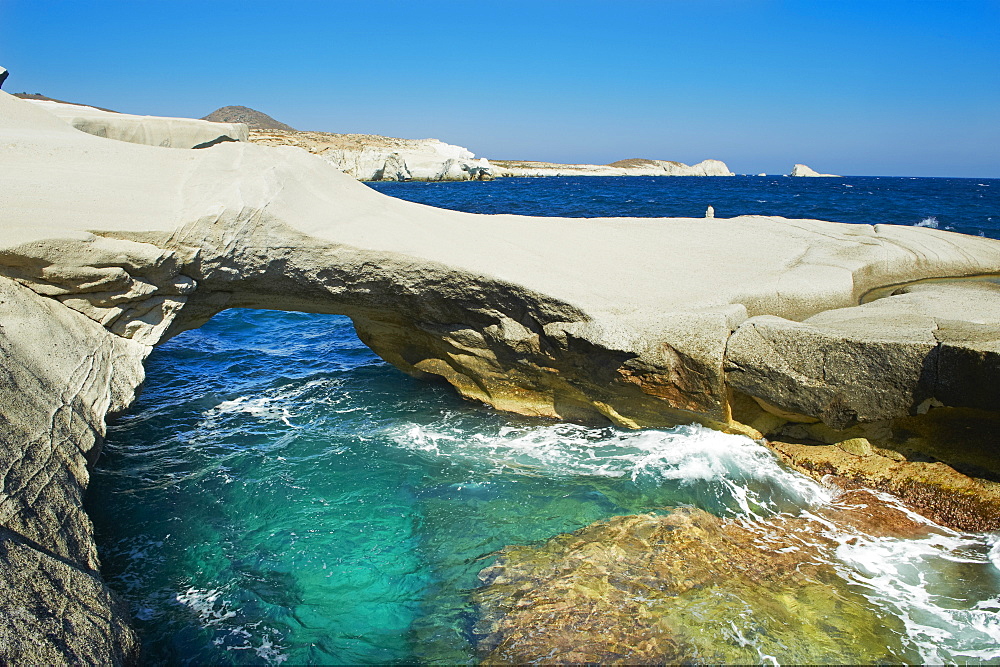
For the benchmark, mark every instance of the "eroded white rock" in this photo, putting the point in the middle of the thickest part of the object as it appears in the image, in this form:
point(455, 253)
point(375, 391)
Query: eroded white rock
point(149, 130)
point(368, 157)
point(803, 170)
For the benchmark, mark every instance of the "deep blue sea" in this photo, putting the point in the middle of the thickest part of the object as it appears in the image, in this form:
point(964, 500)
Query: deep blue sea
point(278, 494)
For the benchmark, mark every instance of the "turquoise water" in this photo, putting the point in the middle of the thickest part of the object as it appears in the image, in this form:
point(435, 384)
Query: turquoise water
point(280, 495)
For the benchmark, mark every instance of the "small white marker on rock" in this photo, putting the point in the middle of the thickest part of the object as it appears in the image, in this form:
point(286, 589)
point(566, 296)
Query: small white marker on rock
point(710, 212)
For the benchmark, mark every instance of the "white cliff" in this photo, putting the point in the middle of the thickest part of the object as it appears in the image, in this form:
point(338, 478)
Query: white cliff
point(369, 157)
point(630, 167)
point(148, 130)
point(803, 170)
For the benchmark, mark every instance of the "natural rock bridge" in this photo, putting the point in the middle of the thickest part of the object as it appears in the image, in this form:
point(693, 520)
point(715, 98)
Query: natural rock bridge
point(750, 324)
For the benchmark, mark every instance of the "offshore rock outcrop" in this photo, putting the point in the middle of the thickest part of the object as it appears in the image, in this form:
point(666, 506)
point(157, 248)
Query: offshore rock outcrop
point(803, 170)
point(630, 167)
point(369, 157)
point(626, 320)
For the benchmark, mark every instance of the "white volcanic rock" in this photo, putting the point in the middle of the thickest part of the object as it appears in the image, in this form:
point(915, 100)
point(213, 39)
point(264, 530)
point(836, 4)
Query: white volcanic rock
point(803, 170)
point(107, 248)
point(631, 167)
point(369, 157)
point(149, 130)
point(929, 343)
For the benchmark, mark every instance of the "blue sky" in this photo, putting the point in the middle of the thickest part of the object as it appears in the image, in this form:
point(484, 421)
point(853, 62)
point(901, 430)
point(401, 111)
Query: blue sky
point(863, 88)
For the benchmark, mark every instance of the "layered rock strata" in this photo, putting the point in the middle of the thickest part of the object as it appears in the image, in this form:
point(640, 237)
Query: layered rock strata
point(148, 130)
point(369, 157)
point(630, 167)
point(107, 248)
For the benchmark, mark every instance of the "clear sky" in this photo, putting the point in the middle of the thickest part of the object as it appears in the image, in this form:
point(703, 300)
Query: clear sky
point(860, 88)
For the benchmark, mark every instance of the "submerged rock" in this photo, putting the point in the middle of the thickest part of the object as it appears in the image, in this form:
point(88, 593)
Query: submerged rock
point(686, 587)
point(934, 489)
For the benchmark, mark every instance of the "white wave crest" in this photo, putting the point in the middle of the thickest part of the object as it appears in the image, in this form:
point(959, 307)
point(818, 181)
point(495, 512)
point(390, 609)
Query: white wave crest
point(215, 612)
point(930, 222)
point(682, 455)
point(921, 582)
point(206, 604)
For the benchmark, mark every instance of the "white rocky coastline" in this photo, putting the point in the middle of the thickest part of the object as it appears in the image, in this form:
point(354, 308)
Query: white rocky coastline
point(749, 324)
point(630, 167)
point(369, 157)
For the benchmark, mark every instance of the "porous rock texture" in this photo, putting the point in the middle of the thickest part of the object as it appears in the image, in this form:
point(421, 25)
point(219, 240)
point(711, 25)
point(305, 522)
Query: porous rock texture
point(149, 130)
point(108, 247)
point(630, 167)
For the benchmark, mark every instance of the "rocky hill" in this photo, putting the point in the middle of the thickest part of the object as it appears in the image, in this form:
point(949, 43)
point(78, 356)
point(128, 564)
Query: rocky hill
point(255, 120)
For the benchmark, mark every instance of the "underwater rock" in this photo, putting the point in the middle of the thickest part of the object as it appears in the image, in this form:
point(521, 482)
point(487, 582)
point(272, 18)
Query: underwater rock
point(933, 489)
point(686, 587)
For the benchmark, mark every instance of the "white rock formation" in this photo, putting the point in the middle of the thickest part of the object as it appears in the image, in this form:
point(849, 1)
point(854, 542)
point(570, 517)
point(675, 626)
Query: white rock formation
point(148, 130)
point(803, 170)
point(368, 157)
point(107, 248)
point(632, 167)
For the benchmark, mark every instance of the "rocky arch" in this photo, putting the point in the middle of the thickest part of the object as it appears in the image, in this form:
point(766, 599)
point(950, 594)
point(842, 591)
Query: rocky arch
point(108, 248)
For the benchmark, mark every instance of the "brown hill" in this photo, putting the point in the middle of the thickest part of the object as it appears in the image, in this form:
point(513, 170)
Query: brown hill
point(255, 119)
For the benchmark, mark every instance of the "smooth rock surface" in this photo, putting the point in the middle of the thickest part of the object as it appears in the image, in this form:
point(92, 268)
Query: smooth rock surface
point(369, 157)
point(930, 343)
point(631, 167)
point(803, 170)
point(149, 130)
